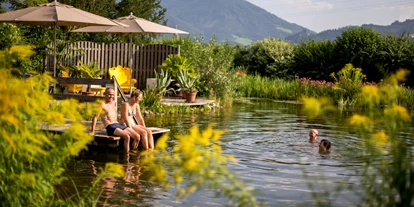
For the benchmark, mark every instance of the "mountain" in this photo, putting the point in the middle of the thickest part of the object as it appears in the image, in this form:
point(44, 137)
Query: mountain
point(237, 21)
point(396, 28)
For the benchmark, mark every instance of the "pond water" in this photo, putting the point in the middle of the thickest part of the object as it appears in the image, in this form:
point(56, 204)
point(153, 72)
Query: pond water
point(269, 140)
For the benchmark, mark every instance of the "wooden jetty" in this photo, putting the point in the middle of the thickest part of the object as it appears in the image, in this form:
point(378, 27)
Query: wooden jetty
point(173, 101)
point(101, 139)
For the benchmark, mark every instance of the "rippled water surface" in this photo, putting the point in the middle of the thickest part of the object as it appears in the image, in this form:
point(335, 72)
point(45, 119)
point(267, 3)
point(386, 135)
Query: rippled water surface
point(269, 140)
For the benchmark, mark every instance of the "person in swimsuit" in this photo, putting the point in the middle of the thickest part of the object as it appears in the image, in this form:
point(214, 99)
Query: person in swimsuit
point(109, 119)
point(324, 145)
point(313, 136)
point(131, 109)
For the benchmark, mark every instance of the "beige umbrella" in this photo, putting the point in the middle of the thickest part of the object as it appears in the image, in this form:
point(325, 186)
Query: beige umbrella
point(54, 14)
point(136, 25)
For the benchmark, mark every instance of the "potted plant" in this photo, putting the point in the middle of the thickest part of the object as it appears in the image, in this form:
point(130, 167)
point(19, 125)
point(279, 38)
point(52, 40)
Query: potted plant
point(163, 80)
point(173, 65)
point(89, 71)
point(188, 83)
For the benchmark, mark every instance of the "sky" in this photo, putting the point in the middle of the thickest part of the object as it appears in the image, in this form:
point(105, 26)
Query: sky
point(320, 15)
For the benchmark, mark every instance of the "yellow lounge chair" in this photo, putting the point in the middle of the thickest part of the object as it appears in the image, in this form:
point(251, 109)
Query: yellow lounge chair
point(72, 88)
point(122, 75)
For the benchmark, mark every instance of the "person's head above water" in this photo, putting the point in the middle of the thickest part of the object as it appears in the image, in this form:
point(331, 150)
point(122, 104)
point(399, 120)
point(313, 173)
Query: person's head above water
point(313, 135)
point(324, 145)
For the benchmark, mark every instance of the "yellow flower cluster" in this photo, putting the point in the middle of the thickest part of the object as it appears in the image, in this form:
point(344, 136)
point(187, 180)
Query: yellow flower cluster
point(195, 161)
point(313, 107)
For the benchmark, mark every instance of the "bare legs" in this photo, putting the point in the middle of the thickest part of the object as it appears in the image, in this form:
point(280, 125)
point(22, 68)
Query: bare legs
point(126, 135)
point(146, 134)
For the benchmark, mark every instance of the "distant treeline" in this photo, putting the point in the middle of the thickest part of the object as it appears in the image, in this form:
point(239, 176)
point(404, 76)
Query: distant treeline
point(377, 54)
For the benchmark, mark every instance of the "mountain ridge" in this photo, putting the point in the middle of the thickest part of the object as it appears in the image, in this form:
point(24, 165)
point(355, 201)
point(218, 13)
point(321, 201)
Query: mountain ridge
point(396, 28)
point(230, 20)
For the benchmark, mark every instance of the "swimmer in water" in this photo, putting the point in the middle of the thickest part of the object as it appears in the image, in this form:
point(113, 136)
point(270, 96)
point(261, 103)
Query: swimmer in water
point(324, 145)
point(313, 136)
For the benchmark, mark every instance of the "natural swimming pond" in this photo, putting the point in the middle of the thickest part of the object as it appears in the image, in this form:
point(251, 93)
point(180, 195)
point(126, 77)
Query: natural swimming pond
point(269, 140)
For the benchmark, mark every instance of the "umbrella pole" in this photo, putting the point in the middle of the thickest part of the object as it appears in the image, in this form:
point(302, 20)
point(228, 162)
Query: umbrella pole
point(130, 63)
point(54, 49)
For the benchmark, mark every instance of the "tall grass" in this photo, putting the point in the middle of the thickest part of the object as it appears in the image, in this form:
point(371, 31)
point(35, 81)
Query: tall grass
point(342, 94)
point(265, 87)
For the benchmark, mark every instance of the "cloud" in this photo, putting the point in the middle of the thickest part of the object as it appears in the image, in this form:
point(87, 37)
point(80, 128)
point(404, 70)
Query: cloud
point(294, 5)
point(406, 13)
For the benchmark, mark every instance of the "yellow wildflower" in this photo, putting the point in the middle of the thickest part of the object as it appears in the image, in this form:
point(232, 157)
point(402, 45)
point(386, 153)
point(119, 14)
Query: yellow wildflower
point(313, 107)
point(397, 112)
point(360, 121)
point(379, 138)
point(115, 170)
point(370, 94)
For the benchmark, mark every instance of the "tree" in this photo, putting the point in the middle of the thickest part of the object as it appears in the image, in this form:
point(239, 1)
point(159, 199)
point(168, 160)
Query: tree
point(105, 8)
point(315, 59)
point(150, 10)
point(269, 57)
point(361, 47)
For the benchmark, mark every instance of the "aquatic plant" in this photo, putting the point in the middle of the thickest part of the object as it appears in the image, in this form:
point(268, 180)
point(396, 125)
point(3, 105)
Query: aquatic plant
point(196, 161)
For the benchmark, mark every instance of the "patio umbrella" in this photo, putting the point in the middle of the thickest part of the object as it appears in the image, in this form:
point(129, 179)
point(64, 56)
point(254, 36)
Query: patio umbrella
point(136, 26)
point(54, 14)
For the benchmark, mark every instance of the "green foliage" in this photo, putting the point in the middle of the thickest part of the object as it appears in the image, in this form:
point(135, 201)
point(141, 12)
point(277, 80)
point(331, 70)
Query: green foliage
point(176, 63)
point(398, 52)
point(361, 47)
point(163, 81)
point(89, 70)
point(15, 55)
point(151, 101)
point(348, 82)
point(10, 35)
point(270, 57)
point(105, 8)
point(32, 160)
point(212, 63)
point(387, 171)
point(315, 59)
point(151, 10)
point(265, 87)
point(186, 81)
point(196, 162)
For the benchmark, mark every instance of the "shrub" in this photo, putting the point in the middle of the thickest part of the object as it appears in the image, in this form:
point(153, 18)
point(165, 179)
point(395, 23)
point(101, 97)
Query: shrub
point(32, 161)
point(361, 47)
point(212, 62)
point(270, 57)
point(315, 60)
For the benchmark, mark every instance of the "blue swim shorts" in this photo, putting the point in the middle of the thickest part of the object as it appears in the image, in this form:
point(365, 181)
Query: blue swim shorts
point(110, 129)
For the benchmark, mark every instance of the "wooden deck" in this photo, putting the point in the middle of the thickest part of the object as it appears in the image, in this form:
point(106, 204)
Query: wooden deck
point(101, 139)
point(176, 101)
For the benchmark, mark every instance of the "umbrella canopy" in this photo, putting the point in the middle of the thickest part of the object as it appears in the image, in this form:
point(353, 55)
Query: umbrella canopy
point(136, 25)
point(54, 14)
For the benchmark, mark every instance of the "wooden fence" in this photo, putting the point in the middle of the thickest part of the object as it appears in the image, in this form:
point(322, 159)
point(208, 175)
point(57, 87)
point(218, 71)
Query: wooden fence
point(145, 58)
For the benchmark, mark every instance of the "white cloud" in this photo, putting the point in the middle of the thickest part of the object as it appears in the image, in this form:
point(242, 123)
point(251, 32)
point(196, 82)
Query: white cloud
point(319, 15)
point(406, 13)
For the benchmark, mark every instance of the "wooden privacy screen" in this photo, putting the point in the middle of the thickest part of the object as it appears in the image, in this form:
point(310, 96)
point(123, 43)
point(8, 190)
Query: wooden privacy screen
point(145, 58)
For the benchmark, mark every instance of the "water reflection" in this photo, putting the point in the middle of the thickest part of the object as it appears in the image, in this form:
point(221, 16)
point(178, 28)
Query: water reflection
point(270, 141)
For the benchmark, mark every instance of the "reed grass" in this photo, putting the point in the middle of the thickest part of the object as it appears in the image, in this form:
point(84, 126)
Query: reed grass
point(343, 95)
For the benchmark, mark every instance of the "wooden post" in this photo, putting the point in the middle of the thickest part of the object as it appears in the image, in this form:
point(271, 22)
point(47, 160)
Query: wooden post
point(116, 94)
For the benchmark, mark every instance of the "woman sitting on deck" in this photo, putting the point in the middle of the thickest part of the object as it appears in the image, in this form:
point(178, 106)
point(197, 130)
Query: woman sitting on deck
point(131, 108)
